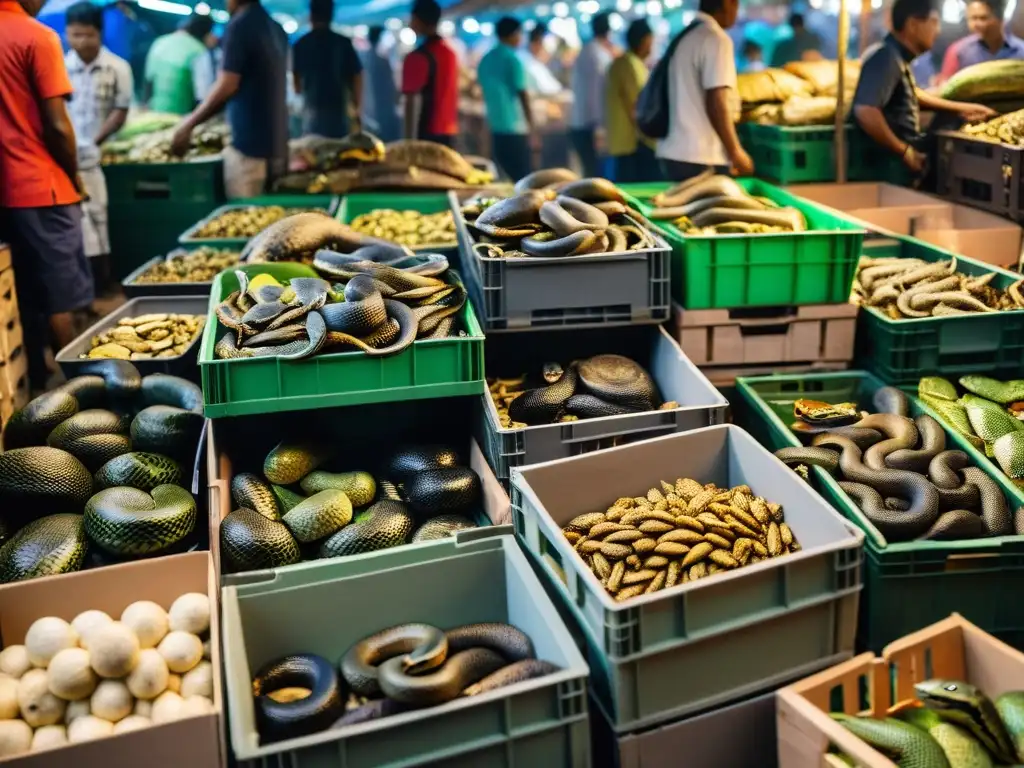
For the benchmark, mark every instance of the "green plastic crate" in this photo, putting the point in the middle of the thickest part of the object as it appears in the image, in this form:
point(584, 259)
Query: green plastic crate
point(869, 162)
point(200, 181)
point(429, 368)
point(327, 203)
point(325, 607)
point(908, 584)
point(731, 271)
point(901, 352)
point(791, 154)
point(141, 230)
point(359, 203)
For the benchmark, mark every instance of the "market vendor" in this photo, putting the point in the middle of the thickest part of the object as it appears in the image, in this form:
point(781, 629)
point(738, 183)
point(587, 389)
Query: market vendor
point(102, 85)
point(252, 85)
point(989, 39)
point(40, 215)
point(887, 103)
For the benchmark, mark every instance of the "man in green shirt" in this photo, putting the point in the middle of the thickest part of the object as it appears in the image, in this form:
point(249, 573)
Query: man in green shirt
point(503, 79)
point(632, 153)
point(177, 68)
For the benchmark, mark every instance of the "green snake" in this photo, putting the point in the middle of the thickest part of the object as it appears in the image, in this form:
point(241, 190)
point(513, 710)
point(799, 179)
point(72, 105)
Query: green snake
point(127, 521)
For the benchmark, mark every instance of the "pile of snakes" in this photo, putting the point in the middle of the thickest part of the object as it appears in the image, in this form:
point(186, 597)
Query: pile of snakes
point(955, 725)
point(92, 472)
point(401, 668)
point(603, 385)
point(678, 533)
point(296, 509)
point(913, 288)
point(717, 205)
point(899, 471)
point(554, 213)
point(378, 299)
point(988, 415)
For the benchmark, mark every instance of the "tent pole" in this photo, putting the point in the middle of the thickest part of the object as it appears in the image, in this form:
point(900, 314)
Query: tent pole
point(842, 44)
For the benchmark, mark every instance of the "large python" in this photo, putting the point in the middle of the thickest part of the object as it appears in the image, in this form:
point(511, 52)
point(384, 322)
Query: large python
point(603, 385)
point(108, 444)
point(906, 483)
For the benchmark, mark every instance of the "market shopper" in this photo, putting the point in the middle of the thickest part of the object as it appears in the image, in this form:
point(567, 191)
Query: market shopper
point(701, 96)
point(535, 57)
point(328, 74)
point(179, 67)
point(430, 80)
point(40, 215)
point(989, 39)
point(803, 45)
point(102, 84)
point(503, 81)
point(252, 83)
point(380, 97)
point(588, 79)
point(631, 152)
point(887, 103)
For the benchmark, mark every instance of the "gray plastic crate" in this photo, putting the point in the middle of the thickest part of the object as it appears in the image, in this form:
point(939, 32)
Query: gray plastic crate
point(133, 290)
point(575, 291)
point(726, 636)
point(466, 579)
point(678, 379)
point(705, 740)
point(184, 365)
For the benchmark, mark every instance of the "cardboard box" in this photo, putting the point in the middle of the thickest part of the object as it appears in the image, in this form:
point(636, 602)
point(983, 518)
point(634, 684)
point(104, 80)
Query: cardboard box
point(892, 210)
point(958, 650)
point(195, 742)
point(495, 501)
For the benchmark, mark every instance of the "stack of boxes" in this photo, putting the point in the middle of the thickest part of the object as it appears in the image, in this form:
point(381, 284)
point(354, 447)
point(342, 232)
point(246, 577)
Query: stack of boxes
point(13, 360)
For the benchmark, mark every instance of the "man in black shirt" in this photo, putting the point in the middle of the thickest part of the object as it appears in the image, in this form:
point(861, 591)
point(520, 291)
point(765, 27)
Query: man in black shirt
point(888, 103)
point(252, 82)
point(329, 75)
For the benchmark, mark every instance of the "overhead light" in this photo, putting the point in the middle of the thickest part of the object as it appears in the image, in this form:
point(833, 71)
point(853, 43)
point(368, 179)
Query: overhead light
point(816, 4)
point(615, 22)
point(163, 6)
point(585, 18)
point(361, 30)
point(407, 36)
point(561, 10)
point(446, 28)
point(221, 17)
point(542, 10)
point(623, 5)
point(393, 24)
point(470, 25)
point(201, 9)
point(951, 11)
point(653, 8)
point(487, 29)
point(687, 18)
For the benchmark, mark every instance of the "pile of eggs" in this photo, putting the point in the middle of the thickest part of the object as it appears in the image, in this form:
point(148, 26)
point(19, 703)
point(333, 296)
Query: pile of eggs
point(96, 677)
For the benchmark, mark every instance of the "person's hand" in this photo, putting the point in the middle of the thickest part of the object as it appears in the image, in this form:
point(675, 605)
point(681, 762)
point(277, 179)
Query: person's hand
point(915, 160)
point(976, 113)
point(80, 187)
point(181, 139)
point(742, 164)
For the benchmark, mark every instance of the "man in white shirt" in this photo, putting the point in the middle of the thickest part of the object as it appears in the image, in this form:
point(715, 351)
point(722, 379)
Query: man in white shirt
point(588, 75)
point(701, 97)
point(102, 84)
point(542, 82)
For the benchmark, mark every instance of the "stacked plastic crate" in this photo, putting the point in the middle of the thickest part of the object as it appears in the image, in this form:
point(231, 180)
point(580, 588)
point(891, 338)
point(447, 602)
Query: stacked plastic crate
point(676, 673)
point(557, 310)
point(746, 304)
point(13, 360)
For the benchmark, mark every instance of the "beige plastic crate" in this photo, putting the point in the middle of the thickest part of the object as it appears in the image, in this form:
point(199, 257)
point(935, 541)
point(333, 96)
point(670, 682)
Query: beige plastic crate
point(807, 334)
point(195, 742)
point(495, 500)
point(955, 648)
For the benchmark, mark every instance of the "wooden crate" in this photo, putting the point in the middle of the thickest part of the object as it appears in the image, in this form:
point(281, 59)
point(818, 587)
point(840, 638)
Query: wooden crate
point(14, 389)
point(952, 649)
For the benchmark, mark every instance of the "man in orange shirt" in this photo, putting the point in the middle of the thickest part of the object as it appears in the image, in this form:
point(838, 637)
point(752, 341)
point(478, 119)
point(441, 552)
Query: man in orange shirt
point(40, 215)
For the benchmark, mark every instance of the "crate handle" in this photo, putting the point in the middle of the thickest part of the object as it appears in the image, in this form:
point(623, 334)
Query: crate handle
point(153, 190)
point(769, 329)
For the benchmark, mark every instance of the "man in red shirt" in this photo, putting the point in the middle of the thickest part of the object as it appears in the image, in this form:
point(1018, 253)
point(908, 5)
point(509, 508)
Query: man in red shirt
point(40, 215)
point(430, 76)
